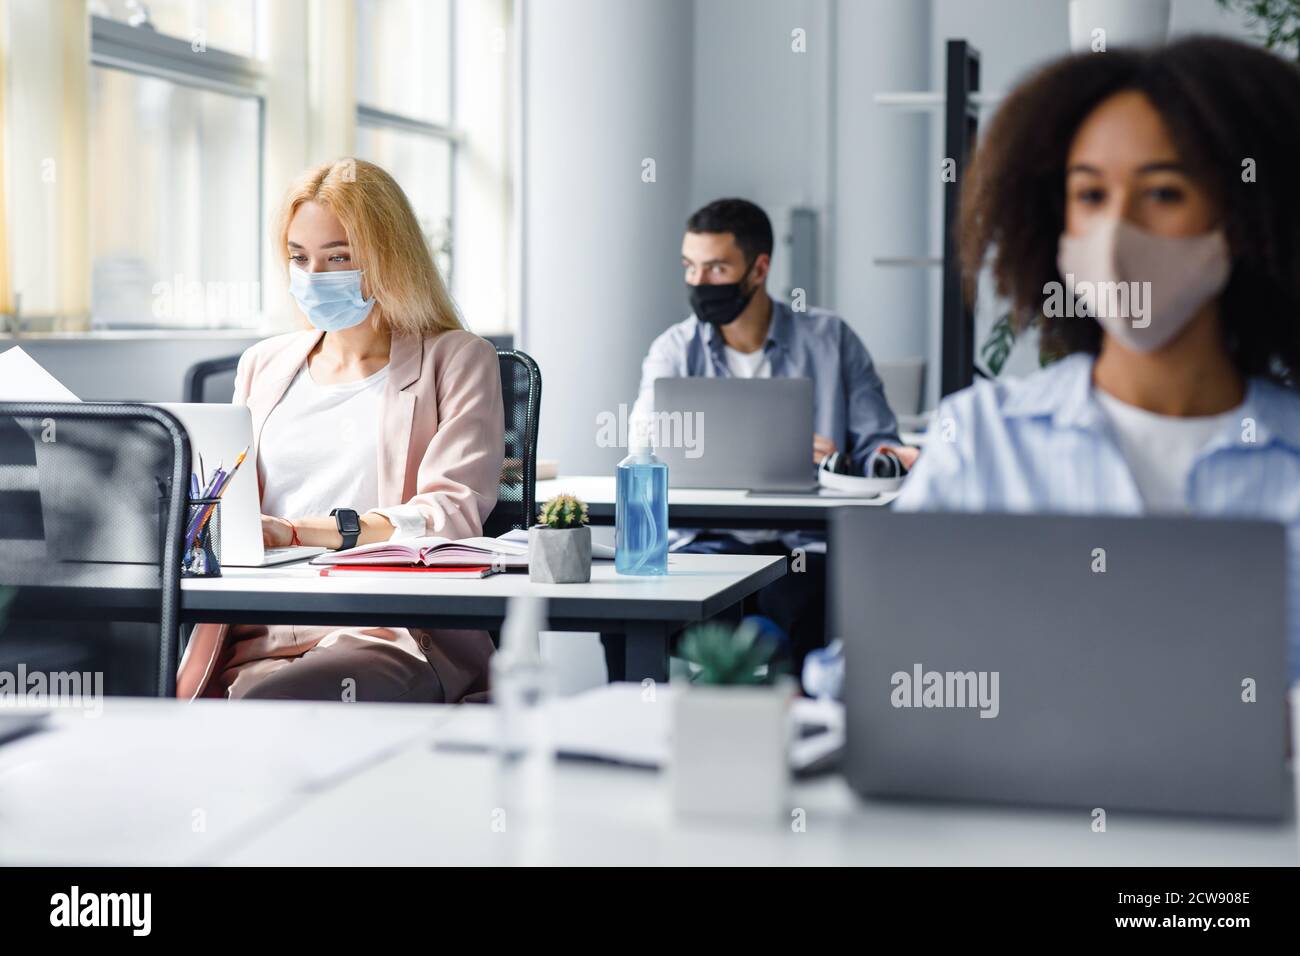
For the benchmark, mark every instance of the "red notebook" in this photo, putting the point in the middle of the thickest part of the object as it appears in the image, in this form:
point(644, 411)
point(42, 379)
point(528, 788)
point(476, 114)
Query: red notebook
point(441, 570)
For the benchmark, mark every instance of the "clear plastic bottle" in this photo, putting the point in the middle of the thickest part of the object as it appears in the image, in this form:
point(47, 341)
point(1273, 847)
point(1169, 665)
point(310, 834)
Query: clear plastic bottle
point(641, 512)
point(521, 688)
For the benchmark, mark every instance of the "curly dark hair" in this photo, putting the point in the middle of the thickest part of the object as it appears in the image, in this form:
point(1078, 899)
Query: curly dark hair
point(1223, 102)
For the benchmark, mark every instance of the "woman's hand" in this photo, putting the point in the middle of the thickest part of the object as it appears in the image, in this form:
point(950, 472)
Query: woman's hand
point(276, 532)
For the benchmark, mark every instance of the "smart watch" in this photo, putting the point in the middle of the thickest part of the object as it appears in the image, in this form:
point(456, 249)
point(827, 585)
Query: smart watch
point(349, 524)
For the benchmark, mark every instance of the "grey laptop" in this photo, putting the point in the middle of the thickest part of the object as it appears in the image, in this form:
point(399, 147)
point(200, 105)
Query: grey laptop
point(1115, 689)
point(751, 433)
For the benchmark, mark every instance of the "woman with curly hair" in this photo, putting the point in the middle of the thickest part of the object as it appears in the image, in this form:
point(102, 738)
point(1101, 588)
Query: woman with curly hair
point(1142, 210)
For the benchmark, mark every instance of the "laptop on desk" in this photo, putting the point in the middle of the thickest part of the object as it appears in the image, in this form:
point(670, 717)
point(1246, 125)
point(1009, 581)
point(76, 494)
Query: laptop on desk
point(1087, 662)
point(218, 433)
point(79, 526)
point(754, 434)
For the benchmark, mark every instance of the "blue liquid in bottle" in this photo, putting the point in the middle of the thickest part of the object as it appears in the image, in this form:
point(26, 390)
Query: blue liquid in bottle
point(641, 515)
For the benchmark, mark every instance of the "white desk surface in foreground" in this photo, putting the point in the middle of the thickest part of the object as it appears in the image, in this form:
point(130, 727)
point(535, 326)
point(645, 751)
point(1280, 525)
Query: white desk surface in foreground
point(335, 784)
point(606, 815)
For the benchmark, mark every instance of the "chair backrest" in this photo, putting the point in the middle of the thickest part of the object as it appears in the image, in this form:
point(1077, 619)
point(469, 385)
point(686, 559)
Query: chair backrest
point(521, 392)
point(904, 382)
point(212, 381)
point(92, 506)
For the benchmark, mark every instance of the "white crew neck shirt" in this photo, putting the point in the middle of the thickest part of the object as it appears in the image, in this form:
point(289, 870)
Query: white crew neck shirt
point(755, 364)
point(318, 450)
point(1160, 449)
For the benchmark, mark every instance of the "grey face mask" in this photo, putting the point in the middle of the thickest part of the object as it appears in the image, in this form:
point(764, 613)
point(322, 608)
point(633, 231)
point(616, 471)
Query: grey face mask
point(1142, 288)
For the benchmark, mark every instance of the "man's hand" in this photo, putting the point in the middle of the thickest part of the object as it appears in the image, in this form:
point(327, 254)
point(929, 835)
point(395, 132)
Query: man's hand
point(822, 446)
point(276, 532)
point(907, 454)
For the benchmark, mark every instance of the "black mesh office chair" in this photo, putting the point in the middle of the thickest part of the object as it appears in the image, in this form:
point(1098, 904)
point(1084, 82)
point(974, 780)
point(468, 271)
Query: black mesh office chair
point(91, 508)
point(212, 381)
point(521, 392)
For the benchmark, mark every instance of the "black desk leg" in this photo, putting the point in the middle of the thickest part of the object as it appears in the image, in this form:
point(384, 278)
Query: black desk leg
point(615, 656)
point(645, 650)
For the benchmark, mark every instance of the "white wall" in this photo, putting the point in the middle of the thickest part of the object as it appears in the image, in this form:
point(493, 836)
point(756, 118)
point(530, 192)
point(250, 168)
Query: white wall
point(762, 126)
point(883, 163)
point(606, 86)
point(785, 128)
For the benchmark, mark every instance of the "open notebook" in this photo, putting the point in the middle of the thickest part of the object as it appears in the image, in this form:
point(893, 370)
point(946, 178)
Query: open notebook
point(433, 552)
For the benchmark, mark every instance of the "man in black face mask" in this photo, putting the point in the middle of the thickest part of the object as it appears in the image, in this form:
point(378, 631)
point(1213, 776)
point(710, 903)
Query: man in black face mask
point(737, 330)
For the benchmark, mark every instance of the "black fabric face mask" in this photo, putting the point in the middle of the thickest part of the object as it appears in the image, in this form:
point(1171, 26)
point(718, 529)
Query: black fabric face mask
point(720, 304)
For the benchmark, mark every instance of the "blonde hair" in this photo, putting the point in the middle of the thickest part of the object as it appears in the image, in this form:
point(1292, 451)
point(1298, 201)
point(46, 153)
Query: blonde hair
point(398, 269)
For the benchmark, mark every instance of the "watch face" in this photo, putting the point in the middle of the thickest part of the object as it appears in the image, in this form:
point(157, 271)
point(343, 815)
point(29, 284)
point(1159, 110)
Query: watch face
point(349, 521)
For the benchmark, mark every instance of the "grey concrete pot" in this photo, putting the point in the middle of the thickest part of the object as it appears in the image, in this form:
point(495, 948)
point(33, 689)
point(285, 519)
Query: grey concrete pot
point(559, 555)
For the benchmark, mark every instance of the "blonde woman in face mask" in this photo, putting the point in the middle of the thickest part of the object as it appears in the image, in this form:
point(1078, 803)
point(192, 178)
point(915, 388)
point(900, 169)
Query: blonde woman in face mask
point(1142, 211)
point(381, 418)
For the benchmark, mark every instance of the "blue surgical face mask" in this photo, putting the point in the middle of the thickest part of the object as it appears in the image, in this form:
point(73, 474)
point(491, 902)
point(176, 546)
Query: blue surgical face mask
point(331, 300)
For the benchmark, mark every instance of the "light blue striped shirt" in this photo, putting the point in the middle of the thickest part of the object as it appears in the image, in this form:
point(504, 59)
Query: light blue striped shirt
point(1043, 443)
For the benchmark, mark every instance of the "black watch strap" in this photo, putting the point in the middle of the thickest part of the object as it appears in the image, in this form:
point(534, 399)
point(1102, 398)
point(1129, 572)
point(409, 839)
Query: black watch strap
point(349, 525)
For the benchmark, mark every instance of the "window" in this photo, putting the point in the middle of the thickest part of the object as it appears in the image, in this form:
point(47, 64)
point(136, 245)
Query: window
point(145, 144)
point(175, 139)
point(229, 25)
point(405, 109)
point(433, 108)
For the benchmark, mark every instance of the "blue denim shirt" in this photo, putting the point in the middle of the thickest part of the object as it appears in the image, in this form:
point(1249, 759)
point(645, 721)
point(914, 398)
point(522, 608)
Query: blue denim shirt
point(1043, 443)
point(849, 404)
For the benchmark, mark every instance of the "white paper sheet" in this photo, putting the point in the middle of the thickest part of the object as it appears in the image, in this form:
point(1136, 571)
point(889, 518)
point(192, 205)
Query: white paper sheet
point(23, 380)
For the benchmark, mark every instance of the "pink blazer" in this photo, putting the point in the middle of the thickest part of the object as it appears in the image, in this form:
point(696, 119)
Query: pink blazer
point(441, 443)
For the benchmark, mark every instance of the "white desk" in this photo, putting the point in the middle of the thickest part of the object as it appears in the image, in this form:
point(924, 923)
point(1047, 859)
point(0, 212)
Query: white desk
point(712, 507)
point(298, 783)
point(606, 815)
point(645, 611)
point(162, 782)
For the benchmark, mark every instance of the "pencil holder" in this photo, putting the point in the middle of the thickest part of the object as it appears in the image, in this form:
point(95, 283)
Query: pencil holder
point(201, 557)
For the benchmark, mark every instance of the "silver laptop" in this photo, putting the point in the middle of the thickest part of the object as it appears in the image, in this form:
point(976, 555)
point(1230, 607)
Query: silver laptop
point(1088, 662)
point(90, 516)
point(751, 433)
point(219, 433)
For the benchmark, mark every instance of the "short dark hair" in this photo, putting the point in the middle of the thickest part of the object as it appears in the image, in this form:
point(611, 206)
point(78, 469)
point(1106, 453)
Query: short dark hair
point(1224, 102)
point(740, 217)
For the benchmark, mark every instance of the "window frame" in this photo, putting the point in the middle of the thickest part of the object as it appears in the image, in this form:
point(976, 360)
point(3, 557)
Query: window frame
point(376, 118)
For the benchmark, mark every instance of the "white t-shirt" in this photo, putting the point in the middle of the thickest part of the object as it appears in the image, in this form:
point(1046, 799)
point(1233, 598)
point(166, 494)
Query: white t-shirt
point(755, 364)
point(1160, 449)
point(319, 451)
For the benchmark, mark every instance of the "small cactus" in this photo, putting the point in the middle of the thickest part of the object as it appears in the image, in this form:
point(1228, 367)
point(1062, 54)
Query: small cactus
point(563, 511)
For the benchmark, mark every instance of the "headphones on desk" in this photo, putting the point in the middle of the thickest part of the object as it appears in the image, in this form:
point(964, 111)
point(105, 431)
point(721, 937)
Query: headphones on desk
point(887, 473)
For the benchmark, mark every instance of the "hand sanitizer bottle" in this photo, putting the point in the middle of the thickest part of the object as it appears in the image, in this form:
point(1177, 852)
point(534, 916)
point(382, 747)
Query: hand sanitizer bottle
point(520, 690)
point(641, 511)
